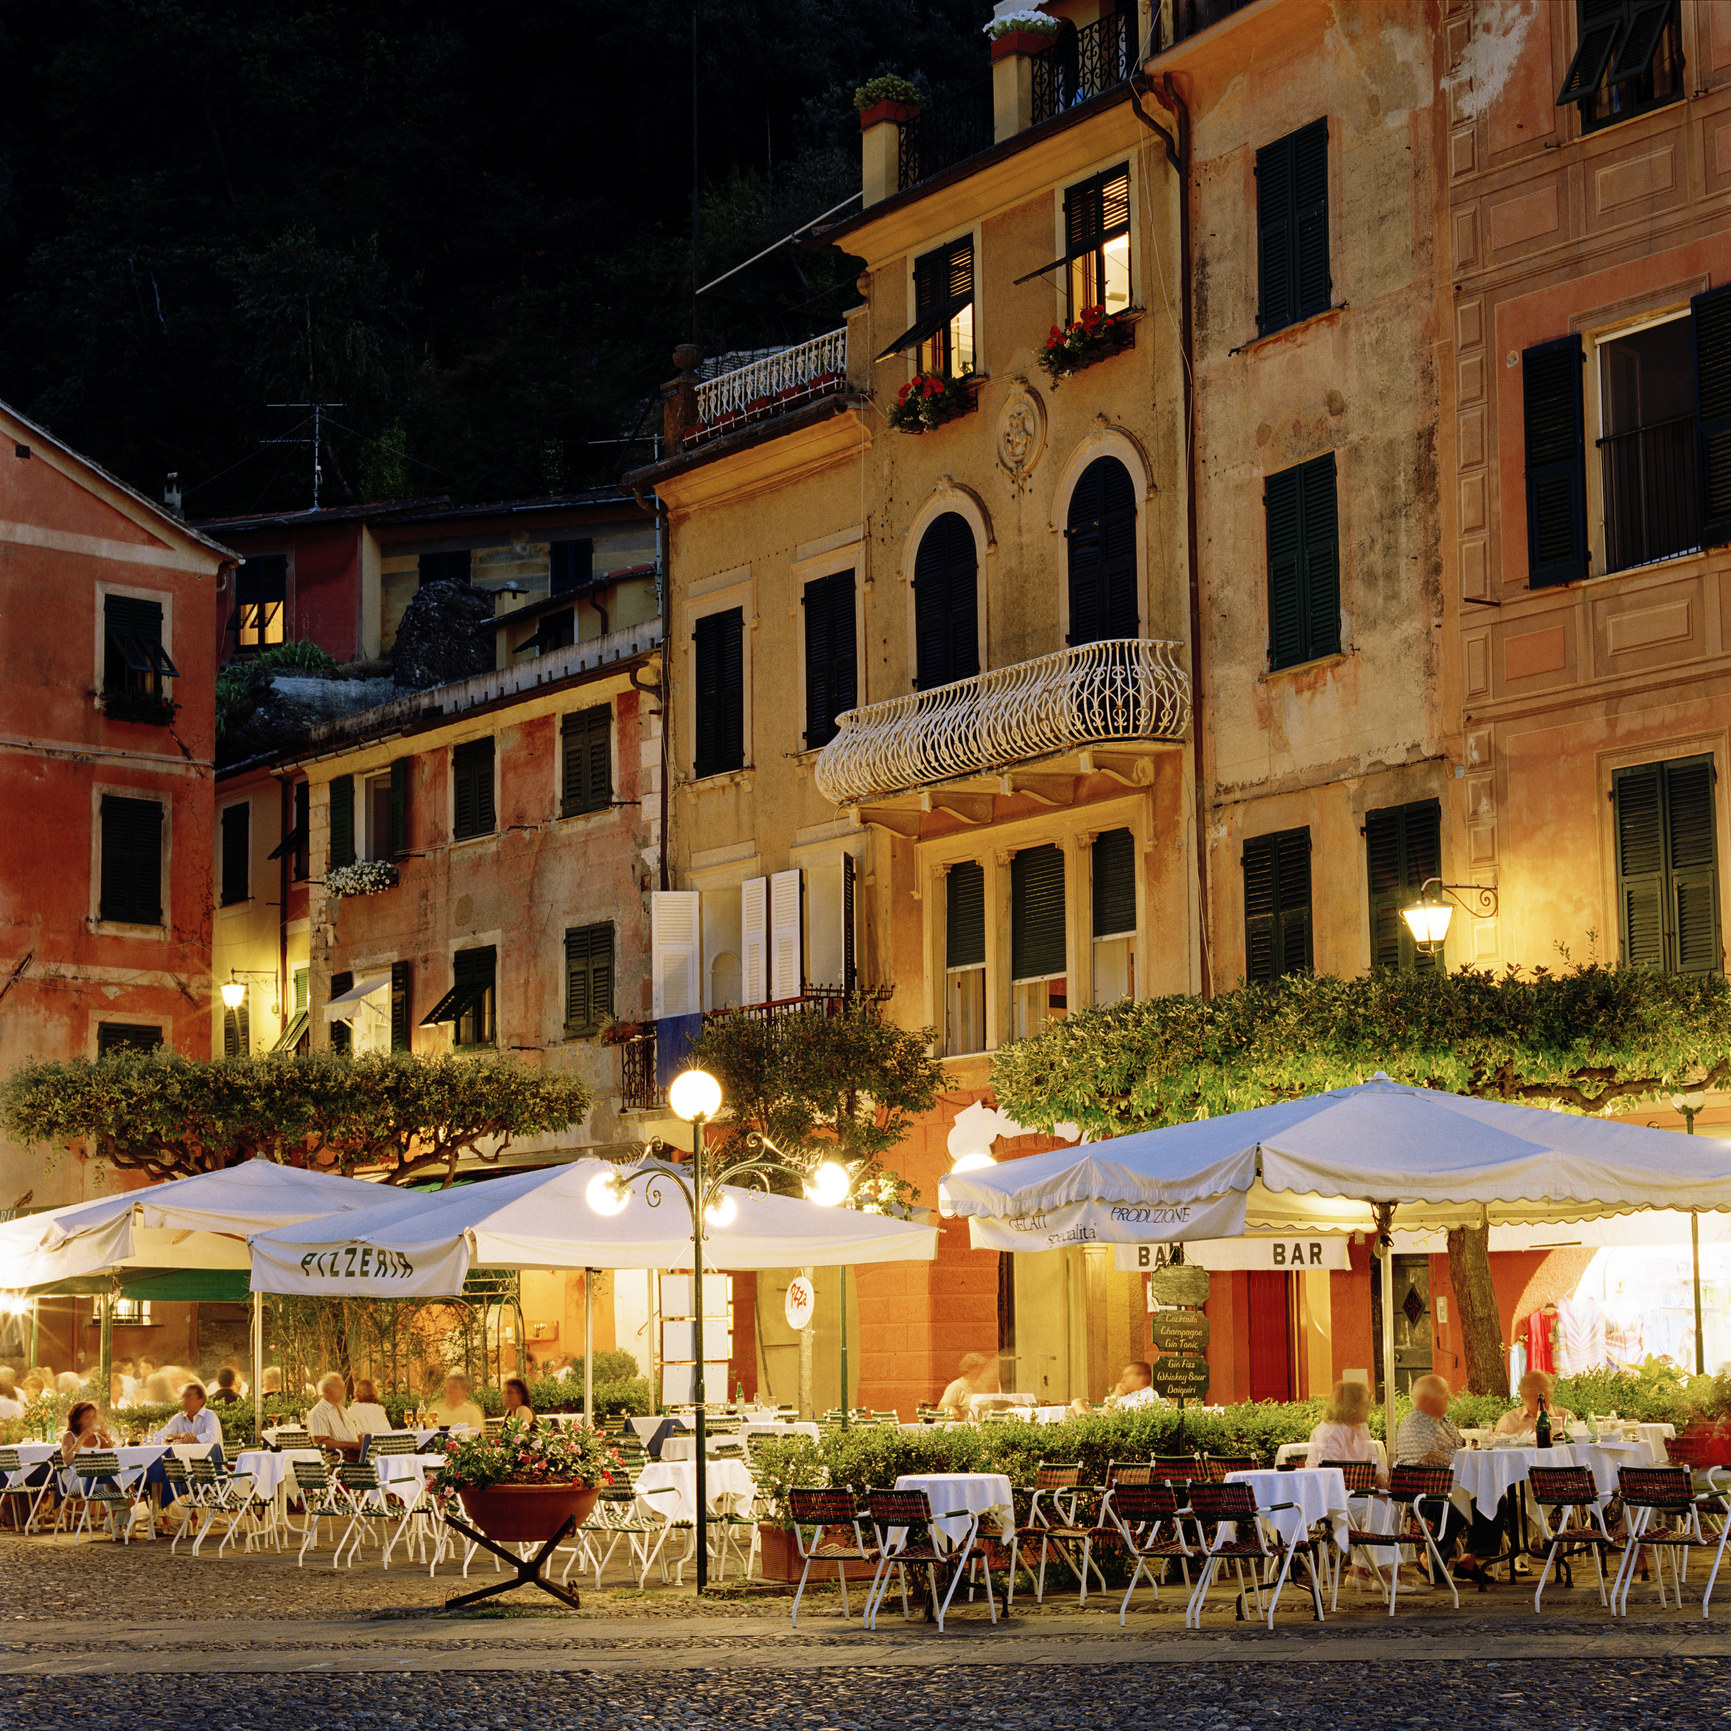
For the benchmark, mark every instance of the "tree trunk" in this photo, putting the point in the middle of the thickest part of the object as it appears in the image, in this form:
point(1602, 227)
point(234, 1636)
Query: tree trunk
point(1481, 1324)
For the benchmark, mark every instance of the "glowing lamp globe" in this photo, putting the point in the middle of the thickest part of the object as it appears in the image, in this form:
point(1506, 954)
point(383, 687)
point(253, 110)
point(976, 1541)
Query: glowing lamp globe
point(694, 1094)
point(1429, 921)
point(605, 1194)
point(973, 1163)
point(829, 1185)
point(232, 993)
point(722, 1213)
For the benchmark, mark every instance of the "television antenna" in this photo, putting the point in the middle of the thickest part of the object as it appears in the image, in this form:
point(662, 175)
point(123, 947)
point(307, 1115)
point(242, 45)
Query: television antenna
point(318, 410)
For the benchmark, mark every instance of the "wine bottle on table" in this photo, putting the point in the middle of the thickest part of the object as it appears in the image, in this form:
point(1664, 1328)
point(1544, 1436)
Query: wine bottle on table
point(1542, 1427)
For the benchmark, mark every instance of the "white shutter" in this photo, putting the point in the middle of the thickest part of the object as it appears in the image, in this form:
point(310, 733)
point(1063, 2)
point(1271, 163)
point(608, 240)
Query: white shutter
point(754, 940)
point(674, 957)
point(786, 953)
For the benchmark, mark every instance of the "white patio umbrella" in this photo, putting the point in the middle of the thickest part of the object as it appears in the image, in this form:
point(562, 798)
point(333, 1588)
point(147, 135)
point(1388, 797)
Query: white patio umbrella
point(201, 1222)
point(1350, 1159)
point(424, 1246)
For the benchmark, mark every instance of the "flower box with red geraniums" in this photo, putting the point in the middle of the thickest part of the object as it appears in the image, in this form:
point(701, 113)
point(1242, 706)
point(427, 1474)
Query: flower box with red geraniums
point(927, 400)
point(1090, 338)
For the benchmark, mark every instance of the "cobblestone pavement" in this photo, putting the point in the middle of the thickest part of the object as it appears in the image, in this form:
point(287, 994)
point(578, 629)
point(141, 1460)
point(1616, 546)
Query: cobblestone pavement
point(1412, 1697)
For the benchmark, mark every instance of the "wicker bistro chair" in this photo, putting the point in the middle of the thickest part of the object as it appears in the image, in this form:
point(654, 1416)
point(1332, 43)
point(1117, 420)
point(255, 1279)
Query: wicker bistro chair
point(1576, 1523)
point(1410, 1488)
point(1148, 1519)
point(16, 1491)
point(97, 1488)
point(625, 1514)
point(1664, 1513)
point(291, 1437)
point(1233, 1531)
point(829, 1515)
point(1216, 1467)
point(907, 1535)
point(1077, 1517)
point(1360, 1477)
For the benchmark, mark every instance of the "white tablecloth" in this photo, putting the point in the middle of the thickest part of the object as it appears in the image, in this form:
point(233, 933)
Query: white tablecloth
point(1486, 1475)
point(1655, 1436)
point(729, 1485)
point(984, 1494)
point(272, 1471)
point(406, 1475)
point(1316, 1493)
point(646, 1427)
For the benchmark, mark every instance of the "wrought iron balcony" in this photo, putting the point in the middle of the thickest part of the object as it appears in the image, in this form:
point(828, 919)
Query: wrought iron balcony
point(1083, 63)
point(1130, 688)
point(770, 385)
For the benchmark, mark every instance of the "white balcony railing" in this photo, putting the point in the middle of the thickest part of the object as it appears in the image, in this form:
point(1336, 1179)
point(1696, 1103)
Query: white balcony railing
point(1130, 688)
point(768, 386)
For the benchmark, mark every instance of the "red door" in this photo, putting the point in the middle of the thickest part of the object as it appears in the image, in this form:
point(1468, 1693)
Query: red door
point(1270, 1337)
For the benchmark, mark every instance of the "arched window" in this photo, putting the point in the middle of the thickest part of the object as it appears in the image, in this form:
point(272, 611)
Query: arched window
point(1102, 536)
point(946, 603)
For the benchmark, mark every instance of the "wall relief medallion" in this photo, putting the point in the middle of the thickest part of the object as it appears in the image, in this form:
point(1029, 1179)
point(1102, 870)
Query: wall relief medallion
point(1021, 435)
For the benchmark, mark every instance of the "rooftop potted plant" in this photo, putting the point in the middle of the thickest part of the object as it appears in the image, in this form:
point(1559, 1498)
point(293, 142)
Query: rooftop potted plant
point(1027, 32)
point(887, 97)
point(521, 1484)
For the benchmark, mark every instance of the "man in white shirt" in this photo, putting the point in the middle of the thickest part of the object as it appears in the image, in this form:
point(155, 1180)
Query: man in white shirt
point(195, 1424)
point(329, 1421)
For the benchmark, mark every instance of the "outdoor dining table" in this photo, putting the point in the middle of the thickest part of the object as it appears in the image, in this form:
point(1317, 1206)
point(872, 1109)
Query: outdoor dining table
point(1313, 1493)
point(272, 1474)
point(399, 1471)
point(729, 1485)
point(982, 1494)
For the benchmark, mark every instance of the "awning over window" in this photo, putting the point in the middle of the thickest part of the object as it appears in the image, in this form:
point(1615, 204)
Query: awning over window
point(462, 996)
point(290, 843)
point(346, 1005)
point(927, 325)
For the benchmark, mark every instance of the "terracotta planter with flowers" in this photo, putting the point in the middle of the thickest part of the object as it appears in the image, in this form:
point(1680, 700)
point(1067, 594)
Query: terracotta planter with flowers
point(528, 1514)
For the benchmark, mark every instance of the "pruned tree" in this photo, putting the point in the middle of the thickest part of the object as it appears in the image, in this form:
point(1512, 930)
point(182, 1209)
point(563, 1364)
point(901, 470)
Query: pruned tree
point(1581, 1038)
point(169, 1116)
point(812, 1083)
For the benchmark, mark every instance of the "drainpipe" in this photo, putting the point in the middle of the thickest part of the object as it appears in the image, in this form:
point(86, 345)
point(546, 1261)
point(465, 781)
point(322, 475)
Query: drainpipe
point(1178, 154)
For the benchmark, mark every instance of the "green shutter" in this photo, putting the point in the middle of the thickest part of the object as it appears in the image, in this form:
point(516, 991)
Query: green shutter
point(1601, 25)
point(965, 915)
point(472, 789)
point(1037, 914)
point(1276, 905)
point(1321, 544)
point(1556, 462)
point(831, 655)
point(402, 1028)
point(1712, 334)
point(1280, 504)
point(237, 1031)
point(1403, 848)
point(1667, 866)
point(400, 806)
point(719, 707)
point(1114, 867)
point(131, 884)
point(342, 821)
point(1292, 228)
point(236, 853)
point(586, 760)
point(588, 978)
point(946, 603)
point(1303, 530)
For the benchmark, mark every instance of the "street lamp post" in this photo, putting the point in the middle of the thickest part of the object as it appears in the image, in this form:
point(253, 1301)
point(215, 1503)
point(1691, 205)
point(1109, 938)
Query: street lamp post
point(695, 1096)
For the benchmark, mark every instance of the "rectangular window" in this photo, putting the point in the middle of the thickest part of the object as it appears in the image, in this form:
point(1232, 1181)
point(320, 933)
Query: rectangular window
point(965, 958)
point(1628, 59)
point(1647, 444)
point(1039, 990)
point(588, 979)
point(1292, 228)
point(294, 841)
point(1276, 905)
point(831, 658)
point(378, 810)
point(134, 660)
point(131, 861)
point(114, 1037)
point(1303, 526)
point(720, 706)
point(1113, 863)
point(342, 821)
point(472, 810)
point(1097, 242)
point(342, 1033)
point(448, 567)
point(1555, 458)
point(1667, 866)
point(570, 566)
point(586, 748)
point(476, 1021)
point(402, 1028)
point(1403, 848)
point(557, 630)
point(260, 603)
point(236, 853)
point(944, 309)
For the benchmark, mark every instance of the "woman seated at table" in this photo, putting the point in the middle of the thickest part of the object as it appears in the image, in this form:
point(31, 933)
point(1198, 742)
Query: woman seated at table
point(1344, 1434)
point(85, 1430)
point(1534, 1387)
point(517, 1407)
point(365, 1412)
